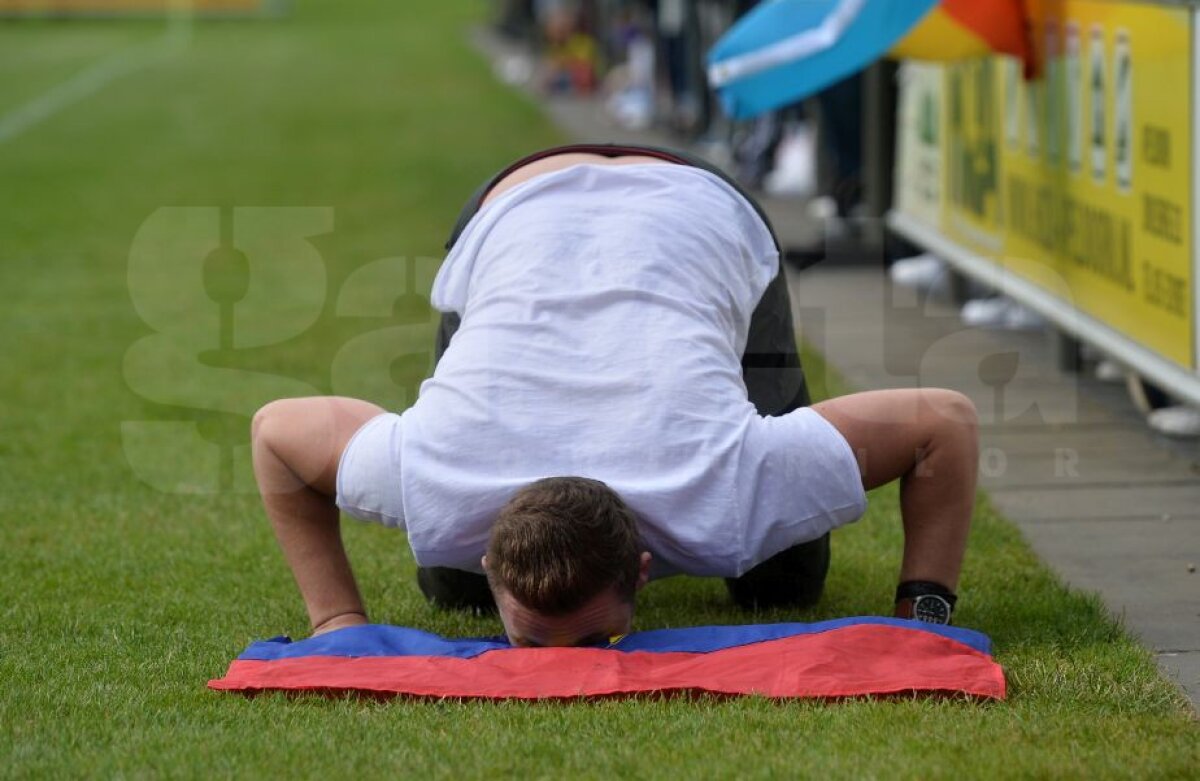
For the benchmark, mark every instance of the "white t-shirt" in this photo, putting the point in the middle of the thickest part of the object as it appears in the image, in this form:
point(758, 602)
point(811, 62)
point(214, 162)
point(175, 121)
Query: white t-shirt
point(604, 313)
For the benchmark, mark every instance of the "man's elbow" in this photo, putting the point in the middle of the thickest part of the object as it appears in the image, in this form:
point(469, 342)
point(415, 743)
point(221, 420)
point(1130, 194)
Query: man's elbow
point(269, 425)
point(956, 417)
point(271, 421)
point(957, 406)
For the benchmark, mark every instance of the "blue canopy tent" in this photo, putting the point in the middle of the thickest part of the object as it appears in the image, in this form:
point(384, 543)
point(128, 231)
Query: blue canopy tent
point(786, 50)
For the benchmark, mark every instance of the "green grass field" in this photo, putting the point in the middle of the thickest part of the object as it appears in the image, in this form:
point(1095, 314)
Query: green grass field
point(118, 601)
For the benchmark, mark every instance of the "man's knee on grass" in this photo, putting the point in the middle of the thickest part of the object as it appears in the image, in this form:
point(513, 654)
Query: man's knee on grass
point(564, 562)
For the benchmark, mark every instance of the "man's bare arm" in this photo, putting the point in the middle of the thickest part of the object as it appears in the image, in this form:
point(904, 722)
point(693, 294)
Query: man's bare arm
point(928, 439)
point(297, 445)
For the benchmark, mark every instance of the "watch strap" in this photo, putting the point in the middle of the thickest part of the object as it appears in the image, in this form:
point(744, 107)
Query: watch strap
point(911, 589)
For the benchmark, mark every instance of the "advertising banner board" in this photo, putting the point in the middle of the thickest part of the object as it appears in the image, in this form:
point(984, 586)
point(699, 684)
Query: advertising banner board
point(1078, 182)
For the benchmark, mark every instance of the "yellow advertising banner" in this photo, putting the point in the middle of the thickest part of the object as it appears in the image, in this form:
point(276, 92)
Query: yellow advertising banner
point(1096, 163)
point(971, 151)
point(919, 131)
point(1080, 181)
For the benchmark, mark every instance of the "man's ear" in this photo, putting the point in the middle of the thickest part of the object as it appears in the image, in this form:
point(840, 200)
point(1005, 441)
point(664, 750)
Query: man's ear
point(483, 563)
point(644, 570)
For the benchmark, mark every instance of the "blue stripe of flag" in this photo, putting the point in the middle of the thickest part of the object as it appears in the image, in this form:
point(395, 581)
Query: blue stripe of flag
point(381, 640)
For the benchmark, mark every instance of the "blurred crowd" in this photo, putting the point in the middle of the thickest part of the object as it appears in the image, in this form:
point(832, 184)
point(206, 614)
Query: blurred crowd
point(645, 60)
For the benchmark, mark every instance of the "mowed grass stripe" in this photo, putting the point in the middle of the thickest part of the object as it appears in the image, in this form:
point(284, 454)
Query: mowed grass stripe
point(117, 602)
point(62, 52)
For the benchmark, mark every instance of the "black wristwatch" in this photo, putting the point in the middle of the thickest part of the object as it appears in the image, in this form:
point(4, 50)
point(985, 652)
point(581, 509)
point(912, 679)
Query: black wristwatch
point(923, 600)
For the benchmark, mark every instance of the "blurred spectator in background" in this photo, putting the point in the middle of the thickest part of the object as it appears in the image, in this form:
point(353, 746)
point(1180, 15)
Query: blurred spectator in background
point(841, 125)
point(630, 84)
point(515, 18)
point(570, 60)
point(671, 27)
point(650, 57)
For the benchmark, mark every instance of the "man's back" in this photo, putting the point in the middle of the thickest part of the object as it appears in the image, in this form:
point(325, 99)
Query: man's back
point(604, 314)
point(602, 305)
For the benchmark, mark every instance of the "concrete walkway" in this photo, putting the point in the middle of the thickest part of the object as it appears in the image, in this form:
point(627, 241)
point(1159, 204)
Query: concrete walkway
point(1108, 505)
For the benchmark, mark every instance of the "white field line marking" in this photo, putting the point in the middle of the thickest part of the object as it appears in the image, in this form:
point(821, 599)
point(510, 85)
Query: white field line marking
point(94, 77)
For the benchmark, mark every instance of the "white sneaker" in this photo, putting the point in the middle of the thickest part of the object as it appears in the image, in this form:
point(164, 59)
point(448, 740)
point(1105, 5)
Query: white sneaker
point(1177, 421)
point(1022, 318)
point(633, 108)
point(515, 70)
point(794, 174)
point(1108, 370)
point(823, 207)
point(925, 272)
point(985, 312)
point(1000, 312)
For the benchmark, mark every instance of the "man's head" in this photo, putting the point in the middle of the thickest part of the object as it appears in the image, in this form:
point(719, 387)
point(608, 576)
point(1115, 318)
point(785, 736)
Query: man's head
point(564, 562)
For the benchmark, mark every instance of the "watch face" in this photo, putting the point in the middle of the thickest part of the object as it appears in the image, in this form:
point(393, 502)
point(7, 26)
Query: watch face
point(931, 609)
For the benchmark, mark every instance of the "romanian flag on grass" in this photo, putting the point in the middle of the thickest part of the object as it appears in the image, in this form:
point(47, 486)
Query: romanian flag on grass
point(848, 657)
